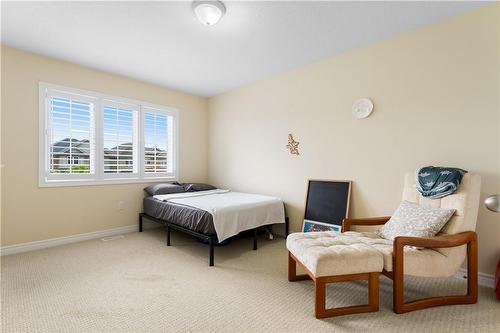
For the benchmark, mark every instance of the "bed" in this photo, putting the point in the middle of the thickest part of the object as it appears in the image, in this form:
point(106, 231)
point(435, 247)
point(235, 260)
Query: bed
point(210, 214)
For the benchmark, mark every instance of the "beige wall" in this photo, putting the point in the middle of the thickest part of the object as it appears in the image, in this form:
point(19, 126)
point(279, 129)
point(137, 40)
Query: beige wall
point(30, 213)
point(436, 103)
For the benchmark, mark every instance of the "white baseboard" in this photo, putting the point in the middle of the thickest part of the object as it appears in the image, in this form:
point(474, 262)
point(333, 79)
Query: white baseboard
point(31, 246)
point(486, 280)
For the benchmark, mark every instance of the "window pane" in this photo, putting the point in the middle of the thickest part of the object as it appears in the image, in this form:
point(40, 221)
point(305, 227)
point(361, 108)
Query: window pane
point(120, 149)
point(156, 136)
point(71, 136)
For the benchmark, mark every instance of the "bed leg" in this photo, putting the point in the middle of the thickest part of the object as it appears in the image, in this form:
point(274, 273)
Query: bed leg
point(140, 222)
point(255, 239)
point(211, 251)
point(168, 235)
point(287, 223)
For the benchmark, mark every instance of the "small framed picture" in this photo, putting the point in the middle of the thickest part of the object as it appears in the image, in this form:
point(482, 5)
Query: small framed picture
point(310, 226)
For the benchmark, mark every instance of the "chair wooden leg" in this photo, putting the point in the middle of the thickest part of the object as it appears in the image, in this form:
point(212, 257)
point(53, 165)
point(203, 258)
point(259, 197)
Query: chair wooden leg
point(398, 284)
point(472, 272)
point(399, 305)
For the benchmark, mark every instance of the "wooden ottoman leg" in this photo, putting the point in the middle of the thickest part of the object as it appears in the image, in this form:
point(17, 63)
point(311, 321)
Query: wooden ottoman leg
point(292, 270)
point(373, 295)
point(320, 302)
point(373, 291)
point(325, 255)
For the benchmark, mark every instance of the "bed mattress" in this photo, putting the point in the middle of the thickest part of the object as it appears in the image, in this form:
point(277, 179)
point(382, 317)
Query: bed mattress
point(188, 217)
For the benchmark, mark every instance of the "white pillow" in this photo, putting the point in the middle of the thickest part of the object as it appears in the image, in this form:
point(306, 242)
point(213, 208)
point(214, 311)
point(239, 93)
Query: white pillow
point(412, 219)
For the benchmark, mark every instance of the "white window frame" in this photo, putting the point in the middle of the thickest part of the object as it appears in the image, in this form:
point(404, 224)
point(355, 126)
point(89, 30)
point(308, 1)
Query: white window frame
point(45, 179)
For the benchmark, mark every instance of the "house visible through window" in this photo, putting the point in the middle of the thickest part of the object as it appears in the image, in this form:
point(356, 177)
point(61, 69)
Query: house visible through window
point(70, 130)
point(87, 137)
point(156, 142)
point(120, 148)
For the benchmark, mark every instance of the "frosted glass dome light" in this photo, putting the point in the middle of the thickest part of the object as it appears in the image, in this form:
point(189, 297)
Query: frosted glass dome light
point(209, 12)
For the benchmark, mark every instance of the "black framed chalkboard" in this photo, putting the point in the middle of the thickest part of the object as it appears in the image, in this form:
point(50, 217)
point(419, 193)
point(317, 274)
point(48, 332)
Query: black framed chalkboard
point(327, 202)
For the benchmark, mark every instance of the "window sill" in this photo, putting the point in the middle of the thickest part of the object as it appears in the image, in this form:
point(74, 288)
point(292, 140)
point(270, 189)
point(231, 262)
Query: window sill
point(93, 182)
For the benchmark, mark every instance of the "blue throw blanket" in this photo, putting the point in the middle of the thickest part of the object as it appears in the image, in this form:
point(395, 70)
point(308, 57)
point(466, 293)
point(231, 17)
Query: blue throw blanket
point(438, 182)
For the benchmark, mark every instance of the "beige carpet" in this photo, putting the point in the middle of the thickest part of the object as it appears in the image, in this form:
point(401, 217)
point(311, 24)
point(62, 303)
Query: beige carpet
point(137, 284)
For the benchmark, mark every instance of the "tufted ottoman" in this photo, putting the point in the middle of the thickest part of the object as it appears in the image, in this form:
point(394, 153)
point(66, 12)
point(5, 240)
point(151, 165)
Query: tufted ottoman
point(329, 257)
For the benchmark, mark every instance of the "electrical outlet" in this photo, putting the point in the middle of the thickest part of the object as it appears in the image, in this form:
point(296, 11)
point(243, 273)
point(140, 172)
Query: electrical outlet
point(120, 205)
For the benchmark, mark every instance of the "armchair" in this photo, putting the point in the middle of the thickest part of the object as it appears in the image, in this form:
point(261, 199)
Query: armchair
point(442, 255)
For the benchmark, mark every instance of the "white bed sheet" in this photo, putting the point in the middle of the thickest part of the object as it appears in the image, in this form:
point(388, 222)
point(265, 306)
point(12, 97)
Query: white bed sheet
point(232, 212)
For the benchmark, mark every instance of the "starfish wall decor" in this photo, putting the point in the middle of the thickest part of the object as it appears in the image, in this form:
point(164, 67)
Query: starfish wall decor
point(293, 145)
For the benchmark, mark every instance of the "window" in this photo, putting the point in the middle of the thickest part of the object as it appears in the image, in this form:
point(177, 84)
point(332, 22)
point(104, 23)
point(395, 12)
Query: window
point(90, 138)
point(71, 134)
point(157, 139)
point(120, 143)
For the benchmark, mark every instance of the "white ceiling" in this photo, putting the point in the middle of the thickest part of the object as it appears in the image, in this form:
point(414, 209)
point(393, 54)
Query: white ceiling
point(163, 43)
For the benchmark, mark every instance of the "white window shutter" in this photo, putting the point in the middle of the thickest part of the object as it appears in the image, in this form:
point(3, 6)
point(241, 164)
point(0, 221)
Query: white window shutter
point(120, 139)
point(70, 134)
point(158, 134)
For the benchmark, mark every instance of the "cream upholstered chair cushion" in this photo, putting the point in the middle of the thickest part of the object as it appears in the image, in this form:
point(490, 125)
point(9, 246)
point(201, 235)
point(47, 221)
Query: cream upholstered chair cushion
point(441, 262)
point(417, 262)
point(465, 202)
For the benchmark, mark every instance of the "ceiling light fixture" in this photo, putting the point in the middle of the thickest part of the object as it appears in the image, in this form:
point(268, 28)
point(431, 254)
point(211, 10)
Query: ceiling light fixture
point(209, 12)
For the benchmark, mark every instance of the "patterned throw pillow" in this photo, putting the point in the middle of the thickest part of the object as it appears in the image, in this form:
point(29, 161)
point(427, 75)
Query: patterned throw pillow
point(412, 219)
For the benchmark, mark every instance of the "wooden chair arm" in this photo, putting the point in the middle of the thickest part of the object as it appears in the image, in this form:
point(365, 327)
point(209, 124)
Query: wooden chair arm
point(434, 242)
point(397, 274)
point(347, 223)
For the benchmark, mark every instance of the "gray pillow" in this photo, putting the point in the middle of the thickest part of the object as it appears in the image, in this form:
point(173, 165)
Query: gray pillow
point(164, 188)
point(412, 219)
point(195, 187)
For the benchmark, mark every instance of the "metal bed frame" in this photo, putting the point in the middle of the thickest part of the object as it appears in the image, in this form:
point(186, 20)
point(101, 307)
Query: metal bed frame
point(211, 239)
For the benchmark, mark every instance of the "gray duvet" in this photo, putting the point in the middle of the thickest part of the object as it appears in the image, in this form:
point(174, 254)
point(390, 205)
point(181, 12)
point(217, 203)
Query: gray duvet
point(188, 217)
